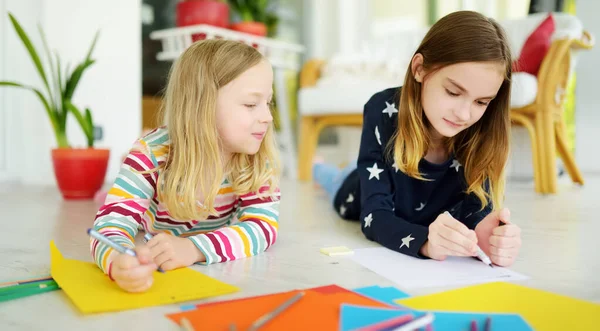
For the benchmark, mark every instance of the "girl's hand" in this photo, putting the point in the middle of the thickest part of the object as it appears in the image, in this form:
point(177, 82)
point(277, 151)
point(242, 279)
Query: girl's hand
point(449, 237)
point(499, 238)
point(171, 252)
point(133, 274)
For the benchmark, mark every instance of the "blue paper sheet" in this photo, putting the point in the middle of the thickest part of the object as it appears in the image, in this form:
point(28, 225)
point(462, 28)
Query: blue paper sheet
point(353, 317)
point(383, 294)
point(462, 321)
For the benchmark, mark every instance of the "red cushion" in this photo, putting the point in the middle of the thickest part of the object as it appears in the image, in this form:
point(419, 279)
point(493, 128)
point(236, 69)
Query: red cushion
point(535, 48)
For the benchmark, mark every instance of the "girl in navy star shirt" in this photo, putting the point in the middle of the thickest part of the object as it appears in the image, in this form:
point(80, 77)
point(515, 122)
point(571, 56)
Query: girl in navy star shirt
point(438, 143)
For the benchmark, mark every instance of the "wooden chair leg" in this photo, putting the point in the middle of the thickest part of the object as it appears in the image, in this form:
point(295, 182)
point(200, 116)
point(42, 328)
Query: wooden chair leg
point(566, 155)
point(307, 146)
point(544, 127)
point(528, 125)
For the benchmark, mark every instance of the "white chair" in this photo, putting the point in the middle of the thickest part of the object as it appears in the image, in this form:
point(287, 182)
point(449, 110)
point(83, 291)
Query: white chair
point(333, 93)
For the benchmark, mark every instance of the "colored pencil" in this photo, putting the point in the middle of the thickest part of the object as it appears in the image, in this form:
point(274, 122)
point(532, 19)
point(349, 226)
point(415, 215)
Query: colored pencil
point(488, 324)
point(271, 315)
point(186, 325)
point(16, 288)
point(416, 323)
point(27, 292)
point(385, 325)
point(24, 281)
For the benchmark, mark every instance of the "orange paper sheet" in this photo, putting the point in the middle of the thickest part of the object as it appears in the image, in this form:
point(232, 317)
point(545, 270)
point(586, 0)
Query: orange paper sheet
point(542, 310)
point(319, 309)
point(328, 289)
point(92, 291)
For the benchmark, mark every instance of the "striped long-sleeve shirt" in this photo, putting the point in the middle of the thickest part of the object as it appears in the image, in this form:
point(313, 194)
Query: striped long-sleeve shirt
point(246, 224)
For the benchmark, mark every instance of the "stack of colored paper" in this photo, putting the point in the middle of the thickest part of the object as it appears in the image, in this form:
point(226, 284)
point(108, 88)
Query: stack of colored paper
point(92, 291)
point(542, 310)
point(319, 309)
point(354, 317)
point(370, 319)
point(333, 308)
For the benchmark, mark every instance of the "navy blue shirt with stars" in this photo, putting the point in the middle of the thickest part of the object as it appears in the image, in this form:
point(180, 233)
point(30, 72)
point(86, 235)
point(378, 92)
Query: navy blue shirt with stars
point(393, 208)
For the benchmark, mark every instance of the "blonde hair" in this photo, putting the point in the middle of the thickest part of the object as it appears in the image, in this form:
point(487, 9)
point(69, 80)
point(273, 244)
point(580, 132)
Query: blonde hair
point(195, 163)
point(483, 148)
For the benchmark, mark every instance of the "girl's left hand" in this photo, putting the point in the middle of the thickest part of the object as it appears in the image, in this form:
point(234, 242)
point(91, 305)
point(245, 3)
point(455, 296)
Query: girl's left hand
point(170, 252)
point(501, 242)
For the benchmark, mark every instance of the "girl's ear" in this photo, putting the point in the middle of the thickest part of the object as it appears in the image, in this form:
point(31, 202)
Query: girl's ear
point(416, 67)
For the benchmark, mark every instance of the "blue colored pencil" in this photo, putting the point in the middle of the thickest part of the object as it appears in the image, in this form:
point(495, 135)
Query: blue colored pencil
point(117, 247)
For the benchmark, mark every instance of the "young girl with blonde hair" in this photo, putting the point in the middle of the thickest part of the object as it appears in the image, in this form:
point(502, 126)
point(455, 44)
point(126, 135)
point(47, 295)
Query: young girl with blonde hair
point(437, 144)
point(205, 184)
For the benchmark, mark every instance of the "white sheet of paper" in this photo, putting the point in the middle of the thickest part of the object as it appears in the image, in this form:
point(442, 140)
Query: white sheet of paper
point(410, 272)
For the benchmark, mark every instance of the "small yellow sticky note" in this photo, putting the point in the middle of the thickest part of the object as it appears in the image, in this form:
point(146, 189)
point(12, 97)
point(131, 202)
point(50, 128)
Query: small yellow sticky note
point(542, 310)
point(338, 250)
point(93, 292)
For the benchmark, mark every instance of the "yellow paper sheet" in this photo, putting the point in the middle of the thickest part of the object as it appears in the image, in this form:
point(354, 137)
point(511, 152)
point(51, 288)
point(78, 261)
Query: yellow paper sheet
point(542, 310)
point(93, 292)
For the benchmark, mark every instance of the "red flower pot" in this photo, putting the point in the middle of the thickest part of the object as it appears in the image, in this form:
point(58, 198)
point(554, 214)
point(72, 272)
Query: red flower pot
point(255, 28)
point(194, 12)
point(80, 172)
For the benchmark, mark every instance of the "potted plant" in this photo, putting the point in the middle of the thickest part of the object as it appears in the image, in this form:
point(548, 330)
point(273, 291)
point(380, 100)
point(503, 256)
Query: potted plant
point(256, 17)
point(194, 12)
point(79, 172)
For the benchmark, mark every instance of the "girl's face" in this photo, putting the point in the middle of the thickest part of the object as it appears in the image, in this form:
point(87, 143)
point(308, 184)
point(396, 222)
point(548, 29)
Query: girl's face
point(243, 110)
point(456, 96)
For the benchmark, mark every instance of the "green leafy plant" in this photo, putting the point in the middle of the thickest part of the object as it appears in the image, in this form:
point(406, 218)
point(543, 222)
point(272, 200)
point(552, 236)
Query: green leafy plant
point(59, 87)
point(256, 11)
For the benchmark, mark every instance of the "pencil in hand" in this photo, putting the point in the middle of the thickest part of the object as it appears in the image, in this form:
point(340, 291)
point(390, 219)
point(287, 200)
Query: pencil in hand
point(121, 249)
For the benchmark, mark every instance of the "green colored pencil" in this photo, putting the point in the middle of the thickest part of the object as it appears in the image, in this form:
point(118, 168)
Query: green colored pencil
point(27, 292)
point(17, 288)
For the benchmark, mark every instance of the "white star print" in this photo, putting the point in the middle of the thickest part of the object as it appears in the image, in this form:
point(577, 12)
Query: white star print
point(350, 198)
point(420, 207)
point(406, 241)
point(368, 220)
point(374, 171)
point(395, 166)
point(377, 135)
point(390, 109)
point(342, 210)
point(455, 164)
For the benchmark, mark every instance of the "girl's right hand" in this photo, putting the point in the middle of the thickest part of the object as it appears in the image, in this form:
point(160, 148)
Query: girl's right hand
point(449, 237)
point(134, 274)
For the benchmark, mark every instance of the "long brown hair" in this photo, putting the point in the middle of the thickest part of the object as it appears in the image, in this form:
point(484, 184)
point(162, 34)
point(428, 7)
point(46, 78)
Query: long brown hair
point(483, 148)
point(194, 162)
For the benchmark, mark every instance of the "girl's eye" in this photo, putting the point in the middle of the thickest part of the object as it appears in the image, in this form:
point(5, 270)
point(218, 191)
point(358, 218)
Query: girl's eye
point(450, 93)
point(250, 105)
point(483, 103)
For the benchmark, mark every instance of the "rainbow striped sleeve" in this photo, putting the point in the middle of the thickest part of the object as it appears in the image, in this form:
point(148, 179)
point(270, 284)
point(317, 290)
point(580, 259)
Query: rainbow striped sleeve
point(127, 201)
point(255, 232)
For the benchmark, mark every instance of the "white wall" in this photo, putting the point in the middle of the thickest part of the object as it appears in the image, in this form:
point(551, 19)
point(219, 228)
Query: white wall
point(3, 122)
point(587, 106)
point(320, 25)
point(22, 114)
point(111, 88)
